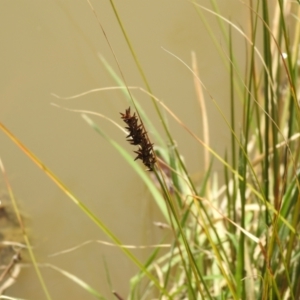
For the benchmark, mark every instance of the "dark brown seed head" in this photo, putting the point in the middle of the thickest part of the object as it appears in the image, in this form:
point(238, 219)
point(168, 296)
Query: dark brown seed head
point(138, 136)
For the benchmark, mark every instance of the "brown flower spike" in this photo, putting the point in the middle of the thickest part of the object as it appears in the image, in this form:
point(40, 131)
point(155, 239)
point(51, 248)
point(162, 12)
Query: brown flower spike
point(138, 136)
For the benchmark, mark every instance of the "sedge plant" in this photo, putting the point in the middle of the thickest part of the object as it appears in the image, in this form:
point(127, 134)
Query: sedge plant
point(238, 239)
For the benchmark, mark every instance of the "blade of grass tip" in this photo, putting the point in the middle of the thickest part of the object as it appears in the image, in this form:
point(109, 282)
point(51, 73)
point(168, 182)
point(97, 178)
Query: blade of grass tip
point(204, 182)
point(76, 280)
point(107, 274)
point(203, 111)
point(25, 236)
point(80, 204)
